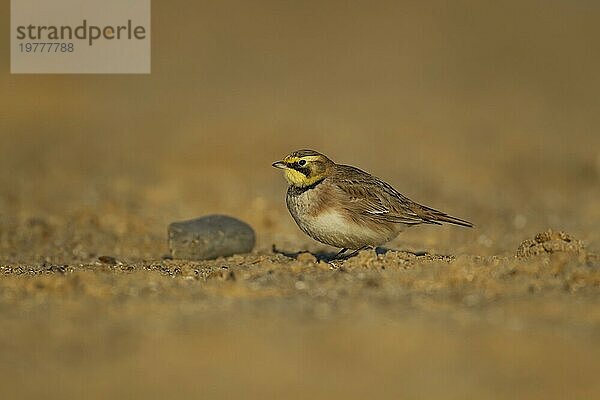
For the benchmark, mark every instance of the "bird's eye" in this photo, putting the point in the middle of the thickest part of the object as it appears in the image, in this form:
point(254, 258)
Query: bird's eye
point(302, 162)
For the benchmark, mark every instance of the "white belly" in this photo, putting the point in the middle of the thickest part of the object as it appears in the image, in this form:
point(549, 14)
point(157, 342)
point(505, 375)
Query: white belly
point(333, 228)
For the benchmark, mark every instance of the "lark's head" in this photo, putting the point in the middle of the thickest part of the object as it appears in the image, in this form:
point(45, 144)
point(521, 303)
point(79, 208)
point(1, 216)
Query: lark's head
point(303, 168)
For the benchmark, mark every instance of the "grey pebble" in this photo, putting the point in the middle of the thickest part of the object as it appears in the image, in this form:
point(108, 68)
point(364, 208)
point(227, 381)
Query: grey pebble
point(210, 237)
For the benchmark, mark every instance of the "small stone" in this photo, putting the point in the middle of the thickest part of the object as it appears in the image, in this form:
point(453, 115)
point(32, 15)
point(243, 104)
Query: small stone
point(110, 260)
point(210, 237)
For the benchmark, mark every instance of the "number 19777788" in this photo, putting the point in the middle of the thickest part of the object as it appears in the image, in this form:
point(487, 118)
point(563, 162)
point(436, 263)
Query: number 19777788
point(46, 47)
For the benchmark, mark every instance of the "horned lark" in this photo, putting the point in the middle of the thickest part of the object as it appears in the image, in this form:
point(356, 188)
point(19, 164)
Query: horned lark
point(345, 207)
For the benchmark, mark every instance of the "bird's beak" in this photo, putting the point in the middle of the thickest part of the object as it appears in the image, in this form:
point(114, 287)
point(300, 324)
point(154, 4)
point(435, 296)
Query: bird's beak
point(279, 164)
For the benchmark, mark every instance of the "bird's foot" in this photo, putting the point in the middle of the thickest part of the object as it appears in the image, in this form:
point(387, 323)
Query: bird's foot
point(340, 256)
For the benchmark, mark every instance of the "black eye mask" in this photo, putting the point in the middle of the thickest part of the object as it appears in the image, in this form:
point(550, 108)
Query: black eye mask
point(303, 169)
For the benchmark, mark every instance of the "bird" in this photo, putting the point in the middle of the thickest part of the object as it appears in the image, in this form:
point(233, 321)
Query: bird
point(348, 208)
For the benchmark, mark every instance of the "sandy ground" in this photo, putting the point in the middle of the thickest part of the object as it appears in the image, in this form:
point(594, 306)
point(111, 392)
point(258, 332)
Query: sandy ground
point(490, 113)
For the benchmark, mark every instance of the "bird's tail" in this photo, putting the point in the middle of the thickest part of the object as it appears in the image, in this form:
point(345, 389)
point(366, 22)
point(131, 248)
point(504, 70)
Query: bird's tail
point(434, 216)
point(453, 220)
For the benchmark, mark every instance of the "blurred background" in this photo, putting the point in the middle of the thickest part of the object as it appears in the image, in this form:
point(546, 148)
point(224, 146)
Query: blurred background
point(487, 110)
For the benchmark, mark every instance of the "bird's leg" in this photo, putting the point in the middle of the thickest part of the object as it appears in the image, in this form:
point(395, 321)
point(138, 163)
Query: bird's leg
point(339, 254)
point(355, 252)
point(341, 257)
point(337, 257)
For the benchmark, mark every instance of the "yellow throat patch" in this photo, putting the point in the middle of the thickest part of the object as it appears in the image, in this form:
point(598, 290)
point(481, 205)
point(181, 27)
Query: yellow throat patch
point(297, 178)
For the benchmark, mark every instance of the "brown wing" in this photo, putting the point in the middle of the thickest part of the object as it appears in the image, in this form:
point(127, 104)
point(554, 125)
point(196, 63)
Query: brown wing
point(372, 197)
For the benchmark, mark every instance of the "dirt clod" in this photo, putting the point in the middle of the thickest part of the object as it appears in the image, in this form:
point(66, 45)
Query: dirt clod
point(549, 242)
